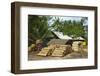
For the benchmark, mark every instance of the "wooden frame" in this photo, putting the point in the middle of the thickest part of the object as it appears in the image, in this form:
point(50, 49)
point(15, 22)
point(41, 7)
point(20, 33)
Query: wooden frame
point(15, 37)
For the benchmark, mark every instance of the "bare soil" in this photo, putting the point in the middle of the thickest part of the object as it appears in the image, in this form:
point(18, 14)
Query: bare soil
point(74, 55)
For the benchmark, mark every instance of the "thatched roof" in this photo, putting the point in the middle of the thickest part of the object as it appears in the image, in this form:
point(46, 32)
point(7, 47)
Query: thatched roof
point(57, 41)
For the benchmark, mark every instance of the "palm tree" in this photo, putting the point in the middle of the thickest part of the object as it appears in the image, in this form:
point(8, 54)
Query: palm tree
point(57, 25)
point(38, 29)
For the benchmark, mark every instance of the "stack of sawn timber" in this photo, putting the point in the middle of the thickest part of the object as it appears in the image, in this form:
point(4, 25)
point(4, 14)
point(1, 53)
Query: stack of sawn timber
point(55, 50)
point(75, 46)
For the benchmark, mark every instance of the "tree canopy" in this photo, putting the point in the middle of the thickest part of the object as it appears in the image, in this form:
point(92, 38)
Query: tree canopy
point(39, 27)
point(68, 27)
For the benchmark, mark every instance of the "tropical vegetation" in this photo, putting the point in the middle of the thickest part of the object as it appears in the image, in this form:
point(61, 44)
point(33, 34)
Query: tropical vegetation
point(39, 27)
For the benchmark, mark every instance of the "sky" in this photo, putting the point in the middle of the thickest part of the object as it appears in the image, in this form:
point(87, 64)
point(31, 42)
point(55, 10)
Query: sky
point(63, 18)
point(70, 18)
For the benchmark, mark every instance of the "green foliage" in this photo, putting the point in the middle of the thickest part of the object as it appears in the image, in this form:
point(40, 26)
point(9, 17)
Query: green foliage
point(68, 27)
point(57, 25)
point(74, 28)
point(38, 27)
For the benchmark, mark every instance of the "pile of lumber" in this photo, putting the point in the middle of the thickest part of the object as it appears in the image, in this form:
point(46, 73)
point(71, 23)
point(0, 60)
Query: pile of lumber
point(76, 46)
point(45, 51)
point(55, 50)
point(67, 48)
point(58, 52)
point(62, 50)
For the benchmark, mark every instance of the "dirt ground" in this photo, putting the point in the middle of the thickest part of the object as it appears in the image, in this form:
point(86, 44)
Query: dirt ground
point(74, 55)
